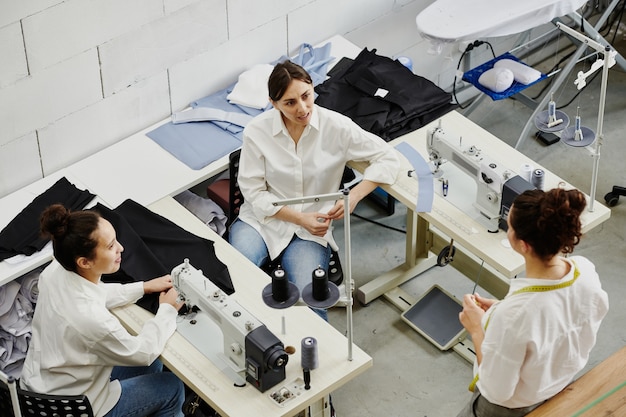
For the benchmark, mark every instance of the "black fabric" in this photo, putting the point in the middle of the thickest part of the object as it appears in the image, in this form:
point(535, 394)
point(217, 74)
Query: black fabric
point(153, 246)
point(354, 90)
point(21, 235)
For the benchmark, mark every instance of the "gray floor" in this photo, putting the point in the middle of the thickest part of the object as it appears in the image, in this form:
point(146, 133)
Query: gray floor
point(410, 376)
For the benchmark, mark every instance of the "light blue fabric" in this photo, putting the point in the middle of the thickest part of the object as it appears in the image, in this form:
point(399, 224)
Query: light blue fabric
point(314, 60)
point(425, 189)
point(197, 144)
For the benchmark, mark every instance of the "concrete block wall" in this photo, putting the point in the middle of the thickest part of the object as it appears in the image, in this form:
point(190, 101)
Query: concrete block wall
point(79, 75)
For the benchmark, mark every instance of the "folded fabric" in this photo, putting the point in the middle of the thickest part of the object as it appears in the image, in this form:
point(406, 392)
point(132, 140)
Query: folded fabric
point(251, 89)
point(8, 292)
point(29, 285)
point(206, 114)
point(314, 60)
point(205, 209)
point(521, 72)
point(21, 235)
point(497, 79)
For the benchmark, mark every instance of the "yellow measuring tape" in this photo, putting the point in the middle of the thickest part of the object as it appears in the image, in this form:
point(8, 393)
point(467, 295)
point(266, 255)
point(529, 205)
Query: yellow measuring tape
point(530, 288)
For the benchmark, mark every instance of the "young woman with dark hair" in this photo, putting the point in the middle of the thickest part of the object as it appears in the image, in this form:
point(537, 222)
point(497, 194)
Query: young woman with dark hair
point(299, 149)
point(530, 345)
point(78, 346)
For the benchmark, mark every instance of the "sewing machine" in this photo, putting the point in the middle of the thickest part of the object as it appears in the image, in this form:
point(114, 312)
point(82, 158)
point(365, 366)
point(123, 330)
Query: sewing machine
point(490, 176)
point(250, 348)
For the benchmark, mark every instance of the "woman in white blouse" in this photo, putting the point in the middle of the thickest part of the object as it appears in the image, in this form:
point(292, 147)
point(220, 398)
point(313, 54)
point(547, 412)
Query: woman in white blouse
point(78, 346)
point(298, 149)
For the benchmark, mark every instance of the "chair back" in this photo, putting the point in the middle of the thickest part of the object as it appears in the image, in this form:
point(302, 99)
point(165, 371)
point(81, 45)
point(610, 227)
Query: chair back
point(9, 403)
point(45, 405)
point(235, 198)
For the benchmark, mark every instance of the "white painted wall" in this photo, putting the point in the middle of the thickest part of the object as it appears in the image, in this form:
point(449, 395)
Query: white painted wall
point(79, 75)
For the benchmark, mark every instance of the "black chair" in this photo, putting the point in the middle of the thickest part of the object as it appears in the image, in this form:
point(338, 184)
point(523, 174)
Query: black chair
point(233, 201)
point(44, 405)
point(9, 403)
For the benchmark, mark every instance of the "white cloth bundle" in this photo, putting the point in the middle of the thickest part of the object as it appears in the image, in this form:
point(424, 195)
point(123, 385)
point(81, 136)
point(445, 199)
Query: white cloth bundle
point(521, 72)
point(496, 79)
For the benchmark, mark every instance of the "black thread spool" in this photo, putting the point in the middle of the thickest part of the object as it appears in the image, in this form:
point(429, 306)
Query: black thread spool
point(320, 293)
point(280, 289)
point(320, 284)
point(280, 293)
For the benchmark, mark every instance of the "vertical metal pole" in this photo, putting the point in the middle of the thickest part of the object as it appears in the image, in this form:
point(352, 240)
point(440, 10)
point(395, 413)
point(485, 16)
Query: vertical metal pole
point(348, 266)
point(600, 138)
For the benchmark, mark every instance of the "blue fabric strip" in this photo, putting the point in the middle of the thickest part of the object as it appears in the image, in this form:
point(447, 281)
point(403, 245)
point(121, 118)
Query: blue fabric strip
point(424, 176)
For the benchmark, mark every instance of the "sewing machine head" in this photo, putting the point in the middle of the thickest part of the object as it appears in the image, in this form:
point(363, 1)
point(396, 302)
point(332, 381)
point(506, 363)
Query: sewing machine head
point(251, 349)
point(490, 176)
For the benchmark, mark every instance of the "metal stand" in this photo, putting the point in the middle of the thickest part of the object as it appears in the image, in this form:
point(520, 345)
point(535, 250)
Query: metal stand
point(347, 265)
point(573, 60)
point(608, 61)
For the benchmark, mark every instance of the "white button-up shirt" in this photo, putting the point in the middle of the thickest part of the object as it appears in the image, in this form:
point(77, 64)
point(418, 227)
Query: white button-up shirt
point(272, 167)
point(76, 340)
point(537, 341)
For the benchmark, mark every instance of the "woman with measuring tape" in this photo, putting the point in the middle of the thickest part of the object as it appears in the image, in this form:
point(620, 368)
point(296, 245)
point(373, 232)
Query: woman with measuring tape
point(530, 345)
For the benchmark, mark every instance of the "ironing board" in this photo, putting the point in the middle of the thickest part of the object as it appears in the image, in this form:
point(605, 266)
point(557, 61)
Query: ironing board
point(457, 20)
point(448, 21)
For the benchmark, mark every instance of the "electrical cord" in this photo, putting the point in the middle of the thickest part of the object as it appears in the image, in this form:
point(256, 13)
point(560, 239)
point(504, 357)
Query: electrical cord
point(469, 48)
point(377, 223)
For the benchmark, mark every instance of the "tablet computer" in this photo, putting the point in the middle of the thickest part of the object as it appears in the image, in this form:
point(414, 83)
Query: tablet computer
point(435, 315)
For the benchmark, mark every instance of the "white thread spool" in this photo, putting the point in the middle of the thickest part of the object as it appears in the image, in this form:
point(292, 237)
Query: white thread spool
point(309, 359)
point(526, 171)
point(537, 178)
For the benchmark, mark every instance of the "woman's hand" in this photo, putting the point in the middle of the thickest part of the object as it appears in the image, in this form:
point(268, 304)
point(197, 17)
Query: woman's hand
point(159, 284)
point(484, 303)
point(170, 297)
point(472, 314)
point(315, 223)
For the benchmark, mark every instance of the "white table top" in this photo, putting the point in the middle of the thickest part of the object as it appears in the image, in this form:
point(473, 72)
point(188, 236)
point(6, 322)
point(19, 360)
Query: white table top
point(455, 220)
point(216, 387)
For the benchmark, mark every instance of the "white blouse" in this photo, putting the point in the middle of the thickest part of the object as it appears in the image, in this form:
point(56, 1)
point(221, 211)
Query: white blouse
point(76, 340)
point(272, 167)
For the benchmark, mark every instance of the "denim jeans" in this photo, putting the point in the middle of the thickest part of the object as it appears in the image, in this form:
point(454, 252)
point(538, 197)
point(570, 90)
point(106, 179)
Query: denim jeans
point(148, 391)
point(299, 259)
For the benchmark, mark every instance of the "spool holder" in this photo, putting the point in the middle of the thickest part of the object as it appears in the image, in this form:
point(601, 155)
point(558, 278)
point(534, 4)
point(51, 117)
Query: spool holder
point(609, 60)
point(347, 265)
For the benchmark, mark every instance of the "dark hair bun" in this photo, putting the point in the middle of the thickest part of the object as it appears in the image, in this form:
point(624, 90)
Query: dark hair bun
point(54, 221)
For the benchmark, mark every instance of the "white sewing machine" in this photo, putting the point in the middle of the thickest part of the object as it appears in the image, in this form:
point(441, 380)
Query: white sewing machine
point(490, 176)
point(250, 348)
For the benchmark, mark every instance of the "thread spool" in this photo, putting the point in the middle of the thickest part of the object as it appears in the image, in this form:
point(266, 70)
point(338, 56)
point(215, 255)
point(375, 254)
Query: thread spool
point(320, 293)
point(406, 61)
point(526, 172)
point(320, 284)
point(280, 291)
point(309, 357)
point(538, 178)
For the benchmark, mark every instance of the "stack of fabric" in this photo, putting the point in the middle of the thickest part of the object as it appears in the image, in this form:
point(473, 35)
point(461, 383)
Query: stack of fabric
point(382, 96)
point(17, 304)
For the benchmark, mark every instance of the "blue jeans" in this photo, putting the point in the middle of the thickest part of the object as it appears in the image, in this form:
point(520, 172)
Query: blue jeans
point(148, 391)
point(299, 259)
